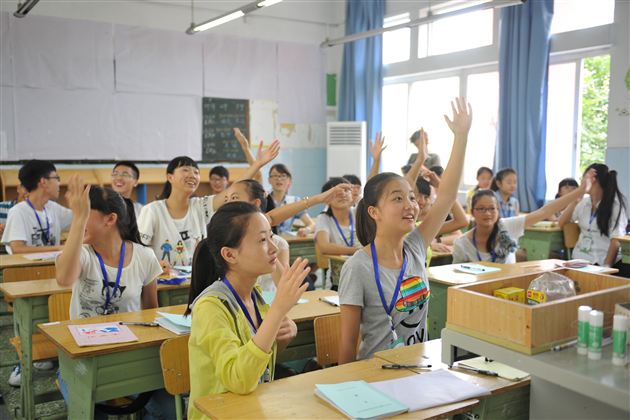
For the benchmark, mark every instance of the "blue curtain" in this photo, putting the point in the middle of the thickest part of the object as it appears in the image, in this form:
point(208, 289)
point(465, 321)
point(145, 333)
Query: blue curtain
point(523, 70)
point(361, 85)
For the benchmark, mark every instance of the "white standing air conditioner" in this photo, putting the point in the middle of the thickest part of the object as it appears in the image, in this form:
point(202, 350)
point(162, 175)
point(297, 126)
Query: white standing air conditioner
point(346, 151)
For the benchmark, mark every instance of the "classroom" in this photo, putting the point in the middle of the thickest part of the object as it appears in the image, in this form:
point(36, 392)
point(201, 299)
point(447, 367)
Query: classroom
point(295, 209)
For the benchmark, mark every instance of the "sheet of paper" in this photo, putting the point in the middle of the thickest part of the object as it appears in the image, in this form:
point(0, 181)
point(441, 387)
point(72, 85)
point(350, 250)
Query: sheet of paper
point(42, 256)
point(431, 389)
point(504, 371)
point(331, 300)
point(99, 334)
point(471, 268)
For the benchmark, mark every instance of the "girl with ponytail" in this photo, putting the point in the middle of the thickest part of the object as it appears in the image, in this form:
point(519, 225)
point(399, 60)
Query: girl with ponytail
point(601, 215)
point(235, 334)
point(383, 290)
point(109, 270)
point(174, 224)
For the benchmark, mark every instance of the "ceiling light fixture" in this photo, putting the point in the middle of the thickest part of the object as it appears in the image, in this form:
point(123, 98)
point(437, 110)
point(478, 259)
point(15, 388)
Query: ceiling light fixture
point(229, 16)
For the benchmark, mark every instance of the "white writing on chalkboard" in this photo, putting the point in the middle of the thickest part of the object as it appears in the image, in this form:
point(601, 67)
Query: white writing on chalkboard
point(219, 117)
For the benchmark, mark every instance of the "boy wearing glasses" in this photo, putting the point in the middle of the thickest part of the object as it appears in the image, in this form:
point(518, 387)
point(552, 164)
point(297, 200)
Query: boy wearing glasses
point(35, 224)
point(125, 177)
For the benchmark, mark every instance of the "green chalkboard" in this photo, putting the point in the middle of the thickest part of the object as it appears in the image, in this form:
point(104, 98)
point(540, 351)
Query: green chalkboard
point(219, 117)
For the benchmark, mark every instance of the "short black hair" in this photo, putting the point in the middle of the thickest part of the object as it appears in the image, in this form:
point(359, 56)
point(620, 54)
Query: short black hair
point(220, 171)
point(353, 179)
point(129, 164)
point(34, 170)
point(281, 168)
point(438, 170)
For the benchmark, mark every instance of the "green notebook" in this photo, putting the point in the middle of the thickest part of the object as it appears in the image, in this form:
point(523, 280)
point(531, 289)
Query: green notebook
point(359, 400)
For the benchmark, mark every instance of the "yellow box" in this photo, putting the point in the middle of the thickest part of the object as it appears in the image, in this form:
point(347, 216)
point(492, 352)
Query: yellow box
point(515, 294)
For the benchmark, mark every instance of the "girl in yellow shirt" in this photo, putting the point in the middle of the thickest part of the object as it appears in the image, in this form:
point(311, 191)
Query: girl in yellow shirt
point(235, 335)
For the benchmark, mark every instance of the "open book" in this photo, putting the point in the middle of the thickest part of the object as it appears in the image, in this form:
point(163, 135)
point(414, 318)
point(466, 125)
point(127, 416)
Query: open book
point(361, 400)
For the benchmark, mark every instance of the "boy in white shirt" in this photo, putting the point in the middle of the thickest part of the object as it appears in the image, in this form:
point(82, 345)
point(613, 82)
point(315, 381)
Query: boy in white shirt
point(35, 224)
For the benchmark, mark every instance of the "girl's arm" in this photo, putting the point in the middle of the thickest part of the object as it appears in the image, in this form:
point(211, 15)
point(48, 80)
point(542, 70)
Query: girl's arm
point(280, 214)
point(414, 171)
point(281, 266)
point(376, 149)
point(309, 225)
point(244, 143)
point(613, 251)
point(286, 333)
point(562, 202)
point(148, 297)
point(567, 213)
point(68, 264)
point(460, 125)
point(322, 240)
point(350, 327)
point(459, 220)
point(263, 157)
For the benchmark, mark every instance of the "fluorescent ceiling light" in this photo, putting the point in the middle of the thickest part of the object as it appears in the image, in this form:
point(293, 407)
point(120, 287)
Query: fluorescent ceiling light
point(229, 16)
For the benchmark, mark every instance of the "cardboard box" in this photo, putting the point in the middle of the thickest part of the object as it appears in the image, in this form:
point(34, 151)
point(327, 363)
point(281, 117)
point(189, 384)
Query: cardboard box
point(515, 294)
point(472, 309)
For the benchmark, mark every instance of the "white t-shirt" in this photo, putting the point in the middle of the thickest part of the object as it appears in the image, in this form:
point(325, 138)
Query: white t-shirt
point(592, 245)
point(137, 208)
point(22, 224)
point(266, 281)
point(325, 223)
point(174, 240)
point(509, 228)
point(88, 293)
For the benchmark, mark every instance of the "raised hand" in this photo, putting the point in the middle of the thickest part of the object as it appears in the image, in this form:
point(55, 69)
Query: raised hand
point(421, 144)
point(264, 156)
point(78, 196)
point(287, 331)
point(291, 286)
point(432, 177)
point(587, 180)
point(462, 117)
point(339, 189)
point(377, 146)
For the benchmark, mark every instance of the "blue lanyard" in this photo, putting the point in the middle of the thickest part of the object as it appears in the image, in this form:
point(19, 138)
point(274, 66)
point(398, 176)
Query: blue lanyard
point(591, 218)
point(242, 305)
point(45, 232)
point(121, 261)
point(474, 242)
point(351, 241)
point(377, 277)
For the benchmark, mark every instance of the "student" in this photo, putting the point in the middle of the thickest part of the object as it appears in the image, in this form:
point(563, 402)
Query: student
point(280, 179)
point(335, 228)
point(432, 159)
point(564, 187)
point(252, 192)
point(495, 238)
point(35, 224)
point(504, 187)
point(601, 215)
point(174, 224)
point(5, 206)
point(383, 288)
point(235, 335)
point(125, 178)
point(484, 179)
point(109, 270)
point(356, 188)
point(219, 180)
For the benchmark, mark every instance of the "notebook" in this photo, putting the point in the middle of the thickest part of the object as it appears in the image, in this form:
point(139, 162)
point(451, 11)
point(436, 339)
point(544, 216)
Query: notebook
point(359, 400)
point(175, 323)
point(504, 371)
point(471, 268)
point(100, 334)
point(331, 300)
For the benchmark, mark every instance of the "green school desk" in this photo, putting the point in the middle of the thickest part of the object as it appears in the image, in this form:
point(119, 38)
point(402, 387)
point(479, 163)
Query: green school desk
point(625, 248)
point(103, 372)
point(539, 242)
point(563, 384)
point(336, 262)
point(301, 247)
point(30, 307)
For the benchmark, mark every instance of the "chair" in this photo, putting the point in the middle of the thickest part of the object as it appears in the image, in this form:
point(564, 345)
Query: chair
point(327, 338)
point(571, 232)
point(174, 361)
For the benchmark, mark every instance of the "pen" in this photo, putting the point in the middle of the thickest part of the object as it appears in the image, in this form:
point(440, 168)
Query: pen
point(480, 371)
point(397, 366)
point(470, 267)
point(606, 341)
point(142, 324)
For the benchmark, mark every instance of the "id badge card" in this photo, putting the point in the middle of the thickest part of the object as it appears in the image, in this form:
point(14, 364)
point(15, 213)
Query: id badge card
point(395, 341)
point(586, 245)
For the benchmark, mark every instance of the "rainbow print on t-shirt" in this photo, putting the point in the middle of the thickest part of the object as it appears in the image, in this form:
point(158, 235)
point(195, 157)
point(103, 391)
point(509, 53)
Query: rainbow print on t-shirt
point(414, 293)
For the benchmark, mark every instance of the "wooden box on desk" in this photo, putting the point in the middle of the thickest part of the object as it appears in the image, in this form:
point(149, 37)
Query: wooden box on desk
point(531, 329)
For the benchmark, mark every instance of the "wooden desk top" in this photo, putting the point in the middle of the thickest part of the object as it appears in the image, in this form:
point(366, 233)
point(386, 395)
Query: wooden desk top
point(437, 254)
point(544, 227)
point(59, 333)
point(447, 274)
point(297, 239)
point(18, 260)
point(294, 397)
point(430, 353)
point(625, 238)
point(314, 307)
point(47, 287)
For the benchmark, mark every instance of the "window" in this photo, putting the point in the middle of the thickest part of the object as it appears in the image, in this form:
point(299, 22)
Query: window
point(571, 15)
point(428, 101)
point(394, 125)
point(482, 92)
point(439, 37)
point(396, 43)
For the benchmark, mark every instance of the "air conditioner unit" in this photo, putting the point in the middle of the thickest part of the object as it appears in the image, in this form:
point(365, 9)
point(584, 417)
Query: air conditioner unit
point(347, 149)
